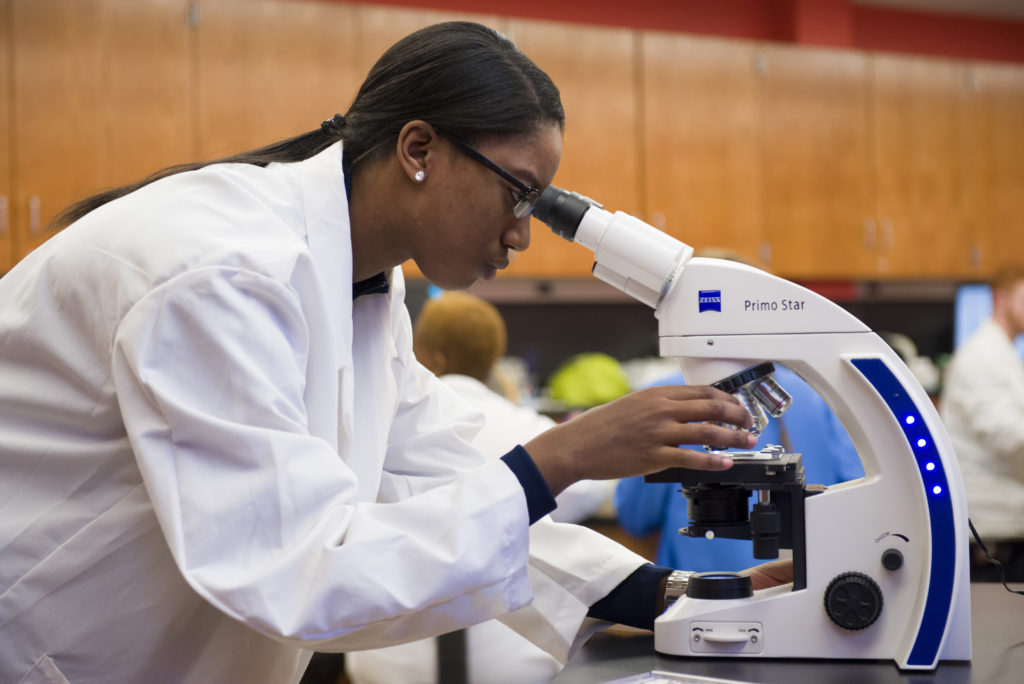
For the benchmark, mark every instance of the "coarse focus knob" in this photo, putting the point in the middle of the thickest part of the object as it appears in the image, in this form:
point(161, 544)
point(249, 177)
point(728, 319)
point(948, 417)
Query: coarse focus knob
point(853, 600)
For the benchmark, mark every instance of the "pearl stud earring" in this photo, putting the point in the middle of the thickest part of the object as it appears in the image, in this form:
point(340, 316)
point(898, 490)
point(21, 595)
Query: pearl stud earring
point(420, 175)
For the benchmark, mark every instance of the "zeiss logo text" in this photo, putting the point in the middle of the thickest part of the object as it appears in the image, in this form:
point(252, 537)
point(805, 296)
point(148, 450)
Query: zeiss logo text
point(709, 300)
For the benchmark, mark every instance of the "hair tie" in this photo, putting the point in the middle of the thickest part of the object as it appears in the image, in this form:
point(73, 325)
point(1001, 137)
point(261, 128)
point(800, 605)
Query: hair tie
point(334, 125)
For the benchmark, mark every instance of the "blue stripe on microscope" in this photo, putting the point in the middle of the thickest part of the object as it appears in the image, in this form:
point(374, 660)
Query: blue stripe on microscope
point(940, 509)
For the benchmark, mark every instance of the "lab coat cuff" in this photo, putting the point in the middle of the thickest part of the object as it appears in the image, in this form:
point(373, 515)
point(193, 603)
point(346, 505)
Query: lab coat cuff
point(633, 602)
point(539, 499)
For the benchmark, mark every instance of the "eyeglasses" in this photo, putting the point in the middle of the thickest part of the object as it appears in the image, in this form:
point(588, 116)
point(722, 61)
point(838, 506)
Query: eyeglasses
point(524, 201)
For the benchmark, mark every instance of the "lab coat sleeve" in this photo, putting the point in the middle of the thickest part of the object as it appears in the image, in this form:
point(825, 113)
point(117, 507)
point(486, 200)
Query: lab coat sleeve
point(260, 516)
point(571, 567)
point(431, 435)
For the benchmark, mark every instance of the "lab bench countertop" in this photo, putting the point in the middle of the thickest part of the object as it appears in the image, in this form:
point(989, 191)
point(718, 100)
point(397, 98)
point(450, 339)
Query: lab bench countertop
point(997, 622)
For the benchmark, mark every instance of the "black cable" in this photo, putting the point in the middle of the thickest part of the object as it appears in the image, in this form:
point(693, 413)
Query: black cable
point(991, 560)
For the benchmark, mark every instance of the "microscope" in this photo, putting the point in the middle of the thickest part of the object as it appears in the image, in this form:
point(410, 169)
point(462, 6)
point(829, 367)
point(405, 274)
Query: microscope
point(880, 564)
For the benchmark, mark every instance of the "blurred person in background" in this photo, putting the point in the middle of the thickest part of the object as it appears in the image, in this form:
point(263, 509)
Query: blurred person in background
point(982, 406)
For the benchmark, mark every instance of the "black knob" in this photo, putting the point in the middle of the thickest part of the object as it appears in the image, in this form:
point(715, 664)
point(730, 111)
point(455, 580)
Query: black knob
point(892, 559)
point(853, 600)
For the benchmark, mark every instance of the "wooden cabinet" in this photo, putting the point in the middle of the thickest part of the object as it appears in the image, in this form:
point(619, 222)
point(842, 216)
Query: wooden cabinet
point(6, 140)
point(703, 180)
point(815, 163)
point(814, 156)
point(997, 203)
point(594, 69)
point(100, 96)
point(826, 164)
point(267, 70)
point(380, 27)
point(925, 165)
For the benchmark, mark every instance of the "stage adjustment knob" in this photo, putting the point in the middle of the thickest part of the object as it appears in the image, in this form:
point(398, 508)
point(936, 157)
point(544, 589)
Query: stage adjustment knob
point(853, 600)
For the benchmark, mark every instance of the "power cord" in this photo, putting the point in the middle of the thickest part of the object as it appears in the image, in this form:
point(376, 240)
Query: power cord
point(991, 560)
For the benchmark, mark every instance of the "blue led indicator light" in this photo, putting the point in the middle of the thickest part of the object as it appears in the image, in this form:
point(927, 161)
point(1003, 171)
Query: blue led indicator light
point(929, 466)
point(936, 489)
point(909, 420)
point(921, 442)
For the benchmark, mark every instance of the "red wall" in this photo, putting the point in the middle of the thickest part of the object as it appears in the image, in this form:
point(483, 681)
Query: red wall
point(837, 23)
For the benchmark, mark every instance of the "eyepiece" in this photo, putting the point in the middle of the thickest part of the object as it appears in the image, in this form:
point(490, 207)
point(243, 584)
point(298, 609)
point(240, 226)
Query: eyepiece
point(562, 210)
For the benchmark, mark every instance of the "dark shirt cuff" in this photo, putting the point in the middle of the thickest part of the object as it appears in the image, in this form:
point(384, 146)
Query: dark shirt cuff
point(635, 600)
point(539, 500)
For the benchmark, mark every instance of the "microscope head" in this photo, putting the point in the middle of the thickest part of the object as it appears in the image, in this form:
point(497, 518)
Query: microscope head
point(629, 255)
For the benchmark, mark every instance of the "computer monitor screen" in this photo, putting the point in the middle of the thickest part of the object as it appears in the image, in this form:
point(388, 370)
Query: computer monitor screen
point(974, 305)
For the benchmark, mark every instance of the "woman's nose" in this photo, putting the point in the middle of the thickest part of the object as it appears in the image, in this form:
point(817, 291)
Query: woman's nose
point(517, 238)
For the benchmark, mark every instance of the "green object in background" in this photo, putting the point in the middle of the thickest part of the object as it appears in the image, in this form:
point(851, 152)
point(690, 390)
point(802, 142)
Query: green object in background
point(587, 380)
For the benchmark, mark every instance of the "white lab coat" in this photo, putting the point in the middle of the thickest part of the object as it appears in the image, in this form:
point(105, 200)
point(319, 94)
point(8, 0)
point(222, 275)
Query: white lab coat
point(983, 410)
point(508, 424)
point(213, 461)
point(494, 653)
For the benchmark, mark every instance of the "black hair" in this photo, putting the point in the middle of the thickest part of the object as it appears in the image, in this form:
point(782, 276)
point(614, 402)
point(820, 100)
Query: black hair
point(466, 79)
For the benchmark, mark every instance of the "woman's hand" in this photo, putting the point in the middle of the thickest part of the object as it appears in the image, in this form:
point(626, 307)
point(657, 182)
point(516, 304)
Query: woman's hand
point(770, 574)
point(640, 433)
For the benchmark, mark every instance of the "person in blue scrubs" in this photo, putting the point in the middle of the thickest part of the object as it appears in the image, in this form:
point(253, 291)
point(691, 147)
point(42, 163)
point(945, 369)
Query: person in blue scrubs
point(809, 427)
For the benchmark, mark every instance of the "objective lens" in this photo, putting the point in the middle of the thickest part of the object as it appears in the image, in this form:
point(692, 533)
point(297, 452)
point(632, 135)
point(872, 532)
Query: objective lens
point(771, 396)
point(754, 408)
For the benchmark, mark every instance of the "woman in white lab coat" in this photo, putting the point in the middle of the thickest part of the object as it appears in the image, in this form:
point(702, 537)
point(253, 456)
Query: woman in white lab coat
point(217, 451)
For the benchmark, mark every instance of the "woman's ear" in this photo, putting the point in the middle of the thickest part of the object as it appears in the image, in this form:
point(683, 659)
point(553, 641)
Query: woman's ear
point(417, 142)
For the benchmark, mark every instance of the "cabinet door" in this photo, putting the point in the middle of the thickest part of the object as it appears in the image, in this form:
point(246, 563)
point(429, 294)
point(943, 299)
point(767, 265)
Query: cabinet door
point(595, 71)
point(700, 139)
point(381, 26)
point(999, 92)
point(100, 98)
point(6, 141)
point(921, 127)
point(267, 70)
point(815, 157)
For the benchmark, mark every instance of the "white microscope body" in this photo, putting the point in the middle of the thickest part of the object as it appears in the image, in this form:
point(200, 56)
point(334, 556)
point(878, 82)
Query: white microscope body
point(898, 536)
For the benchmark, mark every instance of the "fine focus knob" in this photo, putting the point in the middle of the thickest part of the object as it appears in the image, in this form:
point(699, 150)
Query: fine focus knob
point(853, 600)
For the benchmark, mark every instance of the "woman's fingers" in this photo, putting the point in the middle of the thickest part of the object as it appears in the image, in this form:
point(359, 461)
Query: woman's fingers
point(696, 460)
point(689, 404)
point(771, 574)
point(641, 433)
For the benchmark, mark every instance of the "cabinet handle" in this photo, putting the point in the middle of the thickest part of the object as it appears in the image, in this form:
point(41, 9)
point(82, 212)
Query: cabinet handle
point(33, 215)
point(886, 233)
point(760, 63)
point(870, 233)
point(4, 218)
